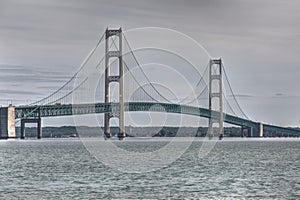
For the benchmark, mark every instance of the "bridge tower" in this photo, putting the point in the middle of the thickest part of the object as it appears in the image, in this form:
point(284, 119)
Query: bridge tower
point(216, 91)
point(117, 110)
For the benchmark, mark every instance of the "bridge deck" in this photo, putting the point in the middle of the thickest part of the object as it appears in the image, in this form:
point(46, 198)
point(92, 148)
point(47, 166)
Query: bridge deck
point(81, 109)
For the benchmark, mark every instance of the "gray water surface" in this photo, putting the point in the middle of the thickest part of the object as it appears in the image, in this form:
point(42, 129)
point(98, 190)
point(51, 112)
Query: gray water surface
point(235, 168)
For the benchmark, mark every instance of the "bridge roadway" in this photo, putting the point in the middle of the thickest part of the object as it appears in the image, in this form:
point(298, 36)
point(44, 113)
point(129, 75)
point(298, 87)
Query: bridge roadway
point(34, 112)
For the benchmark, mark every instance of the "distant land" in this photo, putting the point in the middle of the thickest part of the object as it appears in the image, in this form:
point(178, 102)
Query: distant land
point(72, 131)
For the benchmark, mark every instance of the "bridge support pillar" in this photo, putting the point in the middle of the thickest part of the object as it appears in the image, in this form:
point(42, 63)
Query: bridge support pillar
point(116, 111)
point(247, 131)
point(215, 75)
point(39, 128)
point(261, 130)
point(22, 129)
point(256, 131)
point(7, 122)
point(37, 121)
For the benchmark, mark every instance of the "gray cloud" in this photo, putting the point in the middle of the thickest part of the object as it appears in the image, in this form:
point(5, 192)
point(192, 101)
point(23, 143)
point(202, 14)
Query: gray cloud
point(14, 74)
point(21, 92)
point(242, 96)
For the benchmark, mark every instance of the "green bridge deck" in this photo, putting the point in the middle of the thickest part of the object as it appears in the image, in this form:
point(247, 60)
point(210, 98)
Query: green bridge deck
point(25, 112)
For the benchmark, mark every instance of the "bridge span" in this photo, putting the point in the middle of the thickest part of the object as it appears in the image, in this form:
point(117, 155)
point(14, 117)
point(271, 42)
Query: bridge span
point(33, 114)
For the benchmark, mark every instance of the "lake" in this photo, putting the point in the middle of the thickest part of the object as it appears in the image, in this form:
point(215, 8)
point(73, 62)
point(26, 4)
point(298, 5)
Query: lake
point(267, 168)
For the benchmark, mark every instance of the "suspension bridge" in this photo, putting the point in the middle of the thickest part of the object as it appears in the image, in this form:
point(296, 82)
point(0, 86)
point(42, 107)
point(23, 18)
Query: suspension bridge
point(113, 62)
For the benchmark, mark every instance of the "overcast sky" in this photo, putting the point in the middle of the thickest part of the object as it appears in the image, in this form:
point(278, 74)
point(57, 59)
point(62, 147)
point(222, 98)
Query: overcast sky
point(43, 42)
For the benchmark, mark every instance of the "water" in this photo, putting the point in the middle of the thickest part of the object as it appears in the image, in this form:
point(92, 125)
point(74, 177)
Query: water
point(235, 168)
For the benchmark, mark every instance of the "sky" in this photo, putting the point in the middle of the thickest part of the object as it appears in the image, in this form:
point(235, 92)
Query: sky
point(43, 43)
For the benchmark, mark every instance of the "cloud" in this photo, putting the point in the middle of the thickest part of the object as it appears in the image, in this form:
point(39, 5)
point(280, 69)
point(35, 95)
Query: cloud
point(242, 96)
point(281, 95)
point(20, 92)
point(15, 73)
point(28, 82)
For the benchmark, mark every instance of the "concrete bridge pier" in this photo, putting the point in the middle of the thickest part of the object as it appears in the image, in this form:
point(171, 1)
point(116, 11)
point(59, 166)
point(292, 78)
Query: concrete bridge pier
point(7, 122)
point(38, 121)
point(256, 131)
point(246, 131)
point(261, 130)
